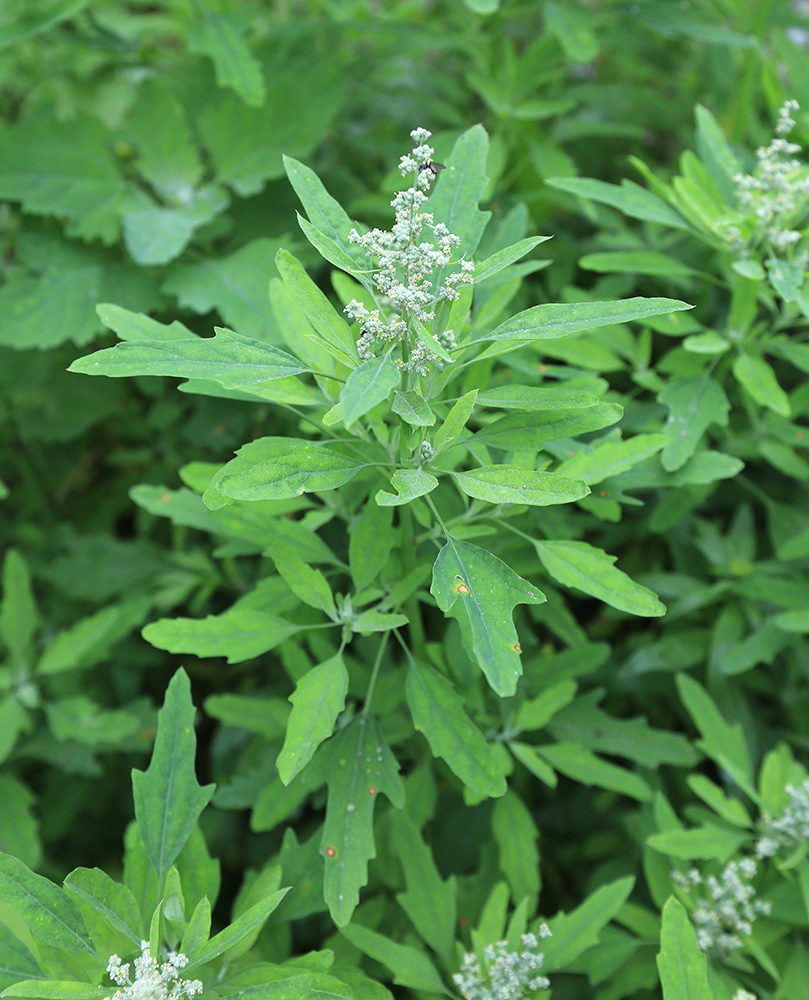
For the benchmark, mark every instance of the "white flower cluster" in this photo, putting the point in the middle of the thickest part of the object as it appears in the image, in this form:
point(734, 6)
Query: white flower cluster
point(510, 973)
point(774, 194)
point(792, 826)
point(726, 907)
point(744, 995)
point(405, 263)
point(152, 981)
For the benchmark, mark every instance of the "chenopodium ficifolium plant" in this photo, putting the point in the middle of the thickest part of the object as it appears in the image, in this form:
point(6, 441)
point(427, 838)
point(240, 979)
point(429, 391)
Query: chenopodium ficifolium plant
point(413, 410)
point(69, 940)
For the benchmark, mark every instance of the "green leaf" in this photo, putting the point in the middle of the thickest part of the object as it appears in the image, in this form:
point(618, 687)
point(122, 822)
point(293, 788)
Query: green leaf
point(113, 902)
point(18, 612)
point(249, 923)
point(527, 755)
point(455, 422)
point(591, 570)
point(227, 358)
point(706, 841)
point(319, 311)
point(413, 408)
point(18, 22)
point(438, 712)
point(731, 810)
point(198, 929)
point(327, 248)
point(372, 538)
point(155, 235)
point(246, 143)
point(410, 967)
point(480, 590)
point(137, 326)
point(409, 484)
point(793, 621)
point(367, 385)
point(234, 285)
point(561, 319)
point(502, 258)
point(573, 933)
point(239, 634)
point(282, 468)
point(55, 990)
point(584, 723)
point(724, 743)
point(517, 839)
point(220, 37)
point(635, 262)
point(536, 713)
point(509, 484)
point(758, 378)
point(611, 458)
point(16, 961)
point(530, 431)
point(357, 764)
point(430, 902)
point(316, 702)
point(64, 169)
point(629, 198)
point(694, 404)
point(305, 582)
point(682, 966)
point(19, 830)
point(585, 767)
point(528, 397)
point(455, 198)
point(46, 910)
point(168, 153)
point(326, 213)
point(90, 639)
point(168, 799)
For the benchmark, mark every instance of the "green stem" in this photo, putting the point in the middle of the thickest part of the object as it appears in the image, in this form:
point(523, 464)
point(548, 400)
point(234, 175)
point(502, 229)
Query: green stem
point(411, 606)
point(374, 673)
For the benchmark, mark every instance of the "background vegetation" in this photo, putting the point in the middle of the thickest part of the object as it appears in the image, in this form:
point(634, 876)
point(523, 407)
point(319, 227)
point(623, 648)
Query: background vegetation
point(141, 169)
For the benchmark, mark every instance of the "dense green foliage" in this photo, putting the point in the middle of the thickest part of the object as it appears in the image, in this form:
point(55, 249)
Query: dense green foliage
point(522, 547)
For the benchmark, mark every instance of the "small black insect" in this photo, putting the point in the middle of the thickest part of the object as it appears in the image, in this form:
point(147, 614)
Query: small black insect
point(432, 166)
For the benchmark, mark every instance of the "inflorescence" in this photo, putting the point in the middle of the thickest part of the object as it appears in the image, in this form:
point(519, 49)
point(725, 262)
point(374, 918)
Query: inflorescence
point(792, 826)
point(726, 907)
point(775, 194)
point(152, 981)
point(511, 973)
point(405, 264)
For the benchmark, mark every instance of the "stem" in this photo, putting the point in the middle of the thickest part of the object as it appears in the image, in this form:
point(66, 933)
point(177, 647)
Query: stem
point(377, 663)
point(411, 605)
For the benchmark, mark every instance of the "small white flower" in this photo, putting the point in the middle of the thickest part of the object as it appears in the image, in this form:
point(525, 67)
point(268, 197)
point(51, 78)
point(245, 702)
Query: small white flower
point(152, 981)
point(791, 828)
point(725, 907)
point(510, 973)
point(405, 262)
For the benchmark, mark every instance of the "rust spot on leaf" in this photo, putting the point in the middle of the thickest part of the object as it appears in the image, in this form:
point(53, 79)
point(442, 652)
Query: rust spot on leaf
point(461, 588)
point(165, 497)
point(371, 790)
point(331, 852)
point(517, 647)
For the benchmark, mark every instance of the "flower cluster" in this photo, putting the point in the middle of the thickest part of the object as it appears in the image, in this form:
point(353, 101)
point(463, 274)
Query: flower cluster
point(726, 907)
point(152, 981)
point(792, 826)
point(744, 995)
point(406, 262)
point(775, 194)
point(510, 973)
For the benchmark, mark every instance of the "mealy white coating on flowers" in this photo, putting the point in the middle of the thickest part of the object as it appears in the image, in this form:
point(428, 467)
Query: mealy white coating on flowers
point(510, 973)
point(405, 262)
point(775, 196)
point(726, 907)
point(790, 829)
point(152, 981)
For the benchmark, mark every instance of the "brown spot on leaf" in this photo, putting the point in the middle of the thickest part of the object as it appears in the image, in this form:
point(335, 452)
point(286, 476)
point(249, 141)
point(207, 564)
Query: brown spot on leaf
point(331, 852)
